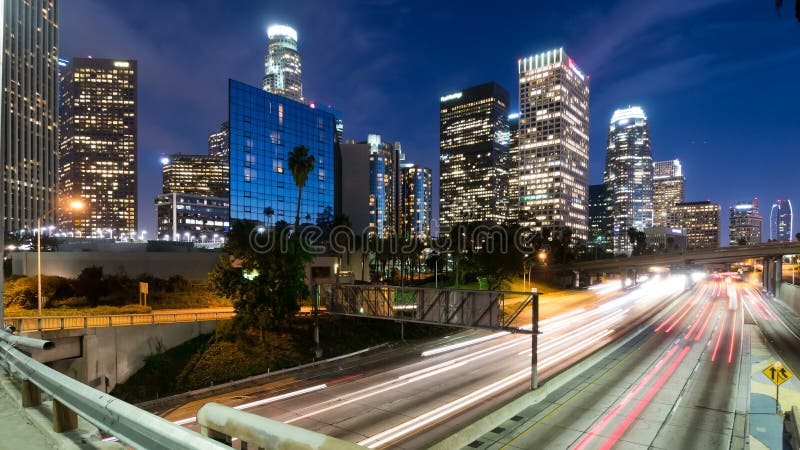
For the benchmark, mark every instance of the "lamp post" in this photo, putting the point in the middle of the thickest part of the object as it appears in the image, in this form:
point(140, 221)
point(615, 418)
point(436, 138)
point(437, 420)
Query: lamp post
point(74, 205)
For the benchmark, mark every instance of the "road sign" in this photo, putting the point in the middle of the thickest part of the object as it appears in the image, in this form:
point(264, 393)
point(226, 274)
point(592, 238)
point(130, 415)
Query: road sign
point(777, 373)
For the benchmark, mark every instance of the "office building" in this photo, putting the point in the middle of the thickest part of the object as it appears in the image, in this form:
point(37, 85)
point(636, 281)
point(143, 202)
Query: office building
point(666, 239)
point(264, 129)
point(219, 141)
point(513, 168)
point(384, 186)
point(668, 190)
point(699, 221)
point(554, 143)
point(354, 188)
point(601, 220)
point(30, 112)
point(629, 175)
point(99, 145)
point(745, 223)
point(780, 221)
point(417, 201)
point(192, 218)
point(474, 160)
point(282, 73)
point(195, 174)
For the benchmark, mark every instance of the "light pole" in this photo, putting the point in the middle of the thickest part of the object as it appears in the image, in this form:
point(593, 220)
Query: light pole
point(74, 205)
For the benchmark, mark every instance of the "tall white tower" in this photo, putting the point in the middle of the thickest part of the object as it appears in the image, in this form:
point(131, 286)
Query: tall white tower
point(282, 73)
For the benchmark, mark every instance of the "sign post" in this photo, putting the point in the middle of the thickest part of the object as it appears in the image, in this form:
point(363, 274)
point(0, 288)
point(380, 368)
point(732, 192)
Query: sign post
point(778, 374)
point(143, 291)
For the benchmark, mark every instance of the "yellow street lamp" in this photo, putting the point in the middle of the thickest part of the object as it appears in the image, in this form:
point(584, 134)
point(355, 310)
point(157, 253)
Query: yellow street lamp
point(74, 205)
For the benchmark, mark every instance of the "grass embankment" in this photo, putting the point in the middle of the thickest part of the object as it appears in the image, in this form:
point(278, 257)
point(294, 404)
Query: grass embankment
point(224, 356)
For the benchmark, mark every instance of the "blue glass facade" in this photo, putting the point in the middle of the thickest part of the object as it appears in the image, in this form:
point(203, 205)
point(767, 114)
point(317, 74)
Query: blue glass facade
point(264, 129)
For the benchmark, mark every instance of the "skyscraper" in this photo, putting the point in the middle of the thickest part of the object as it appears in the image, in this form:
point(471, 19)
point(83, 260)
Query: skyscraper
point(553, 142)
point(473, 155)
point(282, 73)
point(601, 219)
point(99, 144)
point(629, 175)
point(385, 184)
point(668, 190)
point(513, 168)
point(30, 112)
point(417, 199)
point(264, 129)
point(780, 221)
point(195, 174)
point(745, 223)
point(219, 142)
point(700, 222)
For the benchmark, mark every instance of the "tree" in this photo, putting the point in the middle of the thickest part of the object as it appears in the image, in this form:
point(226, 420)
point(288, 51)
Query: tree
point(91, 284)
point(742, 241)
point(301, 164)
point(264, 282)
point(797, 236)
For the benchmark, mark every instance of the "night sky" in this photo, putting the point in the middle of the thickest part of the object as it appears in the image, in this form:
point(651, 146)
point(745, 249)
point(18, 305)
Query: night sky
point(717, 79)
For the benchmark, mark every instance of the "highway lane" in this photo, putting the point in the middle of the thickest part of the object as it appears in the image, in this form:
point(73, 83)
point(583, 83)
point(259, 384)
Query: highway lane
point(411, 404)
point(678, 389)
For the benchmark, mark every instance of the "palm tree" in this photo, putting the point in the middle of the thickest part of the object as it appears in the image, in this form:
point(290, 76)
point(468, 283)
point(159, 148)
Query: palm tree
point(301, 164)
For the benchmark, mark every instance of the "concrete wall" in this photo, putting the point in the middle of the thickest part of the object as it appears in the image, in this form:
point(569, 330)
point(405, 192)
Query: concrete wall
point(111, 355)
point(790, 294)
point(191, 265)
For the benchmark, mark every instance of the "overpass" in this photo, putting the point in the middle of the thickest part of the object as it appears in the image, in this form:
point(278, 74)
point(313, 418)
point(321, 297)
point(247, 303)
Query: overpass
point(770, 254)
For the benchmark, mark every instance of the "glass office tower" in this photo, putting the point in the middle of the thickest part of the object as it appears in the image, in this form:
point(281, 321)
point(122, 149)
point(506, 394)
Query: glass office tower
point(282, 73)
point(553, 143)
point(601, 219)
point(780, 221)
point(668, 190)
point(195, 174)
point(417, 201)
point(264, 129)
point(745, 223)
point(629, 175)
point(473, 155)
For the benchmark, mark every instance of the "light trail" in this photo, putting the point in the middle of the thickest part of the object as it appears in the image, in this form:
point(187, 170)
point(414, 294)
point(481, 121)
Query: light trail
point(705, 324)
point(719, 337)
point(733, 335)
point(467, 343)
point(425, 419)
point(616, 409)
point(622, 427)
point(699, 319)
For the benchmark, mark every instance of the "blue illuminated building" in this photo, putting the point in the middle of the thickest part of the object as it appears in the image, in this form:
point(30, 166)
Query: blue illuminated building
point(264, 129)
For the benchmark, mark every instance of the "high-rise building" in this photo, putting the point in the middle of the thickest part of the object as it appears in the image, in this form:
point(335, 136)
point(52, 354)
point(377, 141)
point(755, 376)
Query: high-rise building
point(668, 190)
point(474, 161)
point(99, 144)
point(780, 221)
point(219, 142)
point(354, 189)
point(196, 175)
point(30, 112)
point(513, 168)
point(699, 221)
point(417, 199)
point(553, 142)
point(264, 129)
point(601, 219)
point(385, 186)
point(629, 175)
point(745, 223)
point(189, 217)
point(282, 73)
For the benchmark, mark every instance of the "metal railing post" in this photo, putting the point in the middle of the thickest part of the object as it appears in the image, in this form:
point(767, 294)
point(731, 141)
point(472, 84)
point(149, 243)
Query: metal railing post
point(39, 324)
point(535, 340)
point(62, 323)
point(85, 322)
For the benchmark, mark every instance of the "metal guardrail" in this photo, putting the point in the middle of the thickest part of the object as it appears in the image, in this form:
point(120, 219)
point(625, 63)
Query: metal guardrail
point(71, 398)
point(223, 423)
point(47, 323)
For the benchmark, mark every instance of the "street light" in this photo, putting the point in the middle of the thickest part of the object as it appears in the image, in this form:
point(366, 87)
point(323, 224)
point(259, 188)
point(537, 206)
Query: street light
point(74, 205)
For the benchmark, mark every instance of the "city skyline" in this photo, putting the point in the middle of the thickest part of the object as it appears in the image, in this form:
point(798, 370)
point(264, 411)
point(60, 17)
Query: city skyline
point(700, 145)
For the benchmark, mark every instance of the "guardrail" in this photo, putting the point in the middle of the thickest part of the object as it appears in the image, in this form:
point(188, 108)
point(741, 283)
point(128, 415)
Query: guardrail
point(48, 323)
point(792, 426)
point(223, 423)
point(71, 398)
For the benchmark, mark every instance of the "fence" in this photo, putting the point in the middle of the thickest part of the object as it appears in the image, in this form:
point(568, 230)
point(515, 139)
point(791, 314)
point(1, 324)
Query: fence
point(47, 323)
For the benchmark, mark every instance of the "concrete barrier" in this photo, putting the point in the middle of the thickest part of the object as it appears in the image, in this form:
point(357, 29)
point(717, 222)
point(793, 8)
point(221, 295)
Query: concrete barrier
point(792, 427)
point(790, 295)
point(475, 430)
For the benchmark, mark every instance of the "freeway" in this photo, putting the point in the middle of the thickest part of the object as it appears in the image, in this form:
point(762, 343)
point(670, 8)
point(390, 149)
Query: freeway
point(418, 394)
point(686, 384)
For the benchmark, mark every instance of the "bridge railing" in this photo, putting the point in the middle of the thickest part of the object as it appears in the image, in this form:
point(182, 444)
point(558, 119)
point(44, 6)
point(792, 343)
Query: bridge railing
point(47, 323)
point(71, 398)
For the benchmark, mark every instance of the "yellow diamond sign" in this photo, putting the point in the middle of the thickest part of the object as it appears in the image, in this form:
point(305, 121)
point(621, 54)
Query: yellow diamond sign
point(777, 373)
